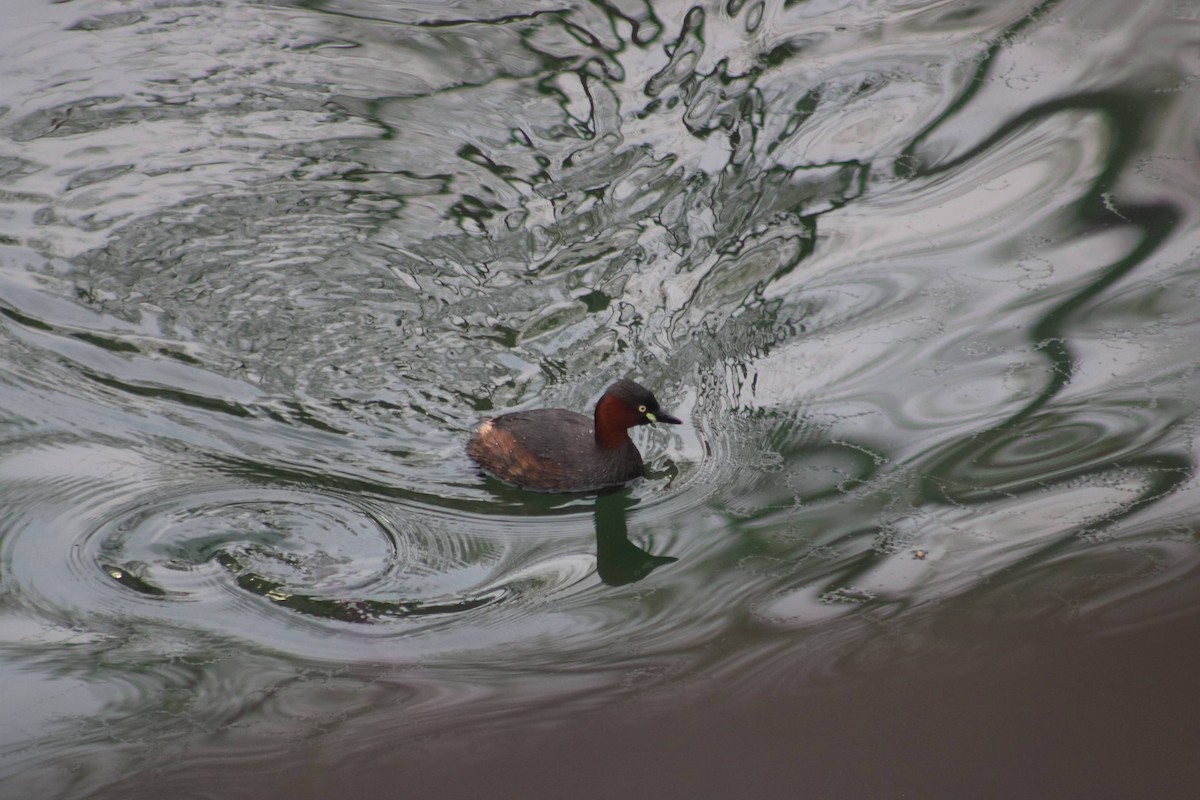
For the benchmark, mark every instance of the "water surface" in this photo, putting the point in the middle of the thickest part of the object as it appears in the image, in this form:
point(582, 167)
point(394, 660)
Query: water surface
point(921, 278)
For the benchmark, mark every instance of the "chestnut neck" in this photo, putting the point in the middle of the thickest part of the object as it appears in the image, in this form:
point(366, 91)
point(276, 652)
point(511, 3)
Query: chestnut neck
point(613, 419)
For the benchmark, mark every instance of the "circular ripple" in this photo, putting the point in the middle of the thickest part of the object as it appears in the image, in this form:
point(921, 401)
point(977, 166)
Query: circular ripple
point(311, 552)
point(193, 552)
point(1043, 449)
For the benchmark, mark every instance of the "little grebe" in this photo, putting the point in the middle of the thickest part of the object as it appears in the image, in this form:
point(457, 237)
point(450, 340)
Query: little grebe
point(555, 450)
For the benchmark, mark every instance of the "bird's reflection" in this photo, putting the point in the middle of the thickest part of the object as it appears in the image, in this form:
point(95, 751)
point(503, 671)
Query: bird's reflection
point(618, 560)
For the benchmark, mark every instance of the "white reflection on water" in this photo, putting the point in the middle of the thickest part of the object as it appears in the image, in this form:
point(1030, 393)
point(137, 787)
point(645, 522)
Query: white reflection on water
point(921, 277)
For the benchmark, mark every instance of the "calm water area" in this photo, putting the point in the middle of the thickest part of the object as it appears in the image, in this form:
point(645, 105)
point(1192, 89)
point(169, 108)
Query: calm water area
point(921, 277)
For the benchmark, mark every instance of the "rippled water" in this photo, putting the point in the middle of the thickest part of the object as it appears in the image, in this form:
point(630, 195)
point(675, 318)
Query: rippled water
point(922, 278)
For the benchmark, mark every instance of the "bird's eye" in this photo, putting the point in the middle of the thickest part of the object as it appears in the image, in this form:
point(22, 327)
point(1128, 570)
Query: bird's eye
point(641, 409)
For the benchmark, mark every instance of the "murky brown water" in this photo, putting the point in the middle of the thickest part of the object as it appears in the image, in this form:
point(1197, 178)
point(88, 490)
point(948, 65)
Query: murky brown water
point(921, 278)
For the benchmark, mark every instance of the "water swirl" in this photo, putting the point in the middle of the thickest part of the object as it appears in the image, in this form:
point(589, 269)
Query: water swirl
point(183, 547)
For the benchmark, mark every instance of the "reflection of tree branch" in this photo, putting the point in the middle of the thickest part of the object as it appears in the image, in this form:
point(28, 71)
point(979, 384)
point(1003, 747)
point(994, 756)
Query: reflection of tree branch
point(1126, 113)
point(972, 87)
point(965, 472)
point(970, 470)
point(618, 560)
point(1050, 334)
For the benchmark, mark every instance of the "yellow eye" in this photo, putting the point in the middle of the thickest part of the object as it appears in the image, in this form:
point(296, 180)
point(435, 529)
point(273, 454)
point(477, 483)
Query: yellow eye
point(641, 409)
